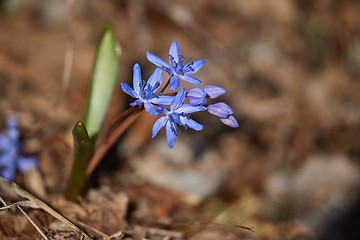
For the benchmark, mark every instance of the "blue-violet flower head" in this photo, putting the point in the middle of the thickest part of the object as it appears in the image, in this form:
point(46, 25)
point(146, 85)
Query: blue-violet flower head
point(145, 92)
point(177, 115)
point(197, 96)
point(176, 69)
point(11, 159)
point(224, 112)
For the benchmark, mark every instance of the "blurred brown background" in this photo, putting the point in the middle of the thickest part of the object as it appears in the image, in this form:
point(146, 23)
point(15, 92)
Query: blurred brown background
point(291, 69)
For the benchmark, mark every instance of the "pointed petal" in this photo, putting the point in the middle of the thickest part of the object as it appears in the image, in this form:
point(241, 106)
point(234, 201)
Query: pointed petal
point(137, 79)
point(195, 66)
point(137, 102)
point(175, 51)
point(151, 109)
point(178, 101)
point(128, 90)
point(214, 91)
point(230, 121)
point(188, 109)
point(158, 62)
point(188, 122)
point(191, 80)
point(171, 134)
point(158, 125)
point(155, 78)
point(162, 99)
point(174, 83)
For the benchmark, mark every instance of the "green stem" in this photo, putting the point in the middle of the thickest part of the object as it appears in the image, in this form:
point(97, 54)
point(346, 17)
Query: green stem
point(83, 152)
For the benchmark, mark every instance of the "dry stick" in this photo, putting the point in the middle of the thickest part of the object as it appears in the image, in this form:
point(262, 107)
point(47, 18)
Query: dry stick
point(34, 202)
point(251, 229)
point(100, 153)
point(24, 213)
point(32, 223)
point(90, 228)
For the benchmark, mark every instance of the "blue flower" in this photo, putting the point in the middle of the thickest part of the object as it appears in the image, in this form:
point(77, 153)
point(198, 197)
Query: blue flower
point(11, 159)
point(177, 115)
point(145, 92)
point(197, 96)
point(176, 68)
point(224, 112)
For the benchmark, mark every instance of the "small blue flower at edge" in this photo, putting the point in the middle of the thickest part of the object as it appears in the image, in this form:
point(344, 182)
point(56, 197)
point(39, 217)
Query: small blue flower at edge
point(145, 92)
point(178, 114)
point(11, 159)
point(176, 69)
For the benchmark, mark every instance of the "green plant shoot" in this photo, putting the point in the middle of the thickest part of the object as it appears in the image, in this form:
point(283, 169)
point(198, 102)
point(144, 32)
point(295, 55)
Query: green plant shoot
point(83, 152)
point(102, 83)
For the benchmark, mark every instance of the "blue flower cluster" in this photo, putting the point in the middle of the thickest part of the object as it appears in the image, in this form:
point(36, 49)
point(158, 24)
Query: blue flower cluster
point(176, 107)
point(11, 159)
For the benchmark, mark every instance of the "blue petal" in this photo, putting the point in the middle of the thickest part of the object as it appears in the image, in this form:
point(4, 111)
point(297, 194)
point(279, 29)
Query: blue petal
point(178, 101)
point(226, 107)
point(158, 125)
point(221, 110)
point(128, 90)
point(137, 102)
point(188, 109)
point(195, 66)
point(137, 79)
point(230, 121)
point(191, 80)
point(214, 91)
point(218, 111)
point(159, 62)
point(4, 142)
point(12, 130)
point(174, 83)
point(8, 173)
point(175, 51)
point(196, 96)
point(188, 122)
point(26, 163)
point(150, 109)
point(162, 99)
point(155, 79)
point(171, 134)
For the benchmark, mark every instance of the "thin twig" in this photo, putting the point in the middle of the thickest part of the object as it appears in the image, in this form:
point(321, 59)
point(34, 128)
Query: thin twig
point(34, 202)
point(24, 213)
point(32, 223)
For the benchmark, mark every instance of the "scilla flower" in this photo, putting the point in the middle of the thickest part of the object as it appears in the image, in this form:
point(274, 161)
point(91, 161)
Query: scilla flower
point(145, 92)
point(197, 96)
point(11, 159)
point(176, 68)
point(224, 112)
point(177, 115)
